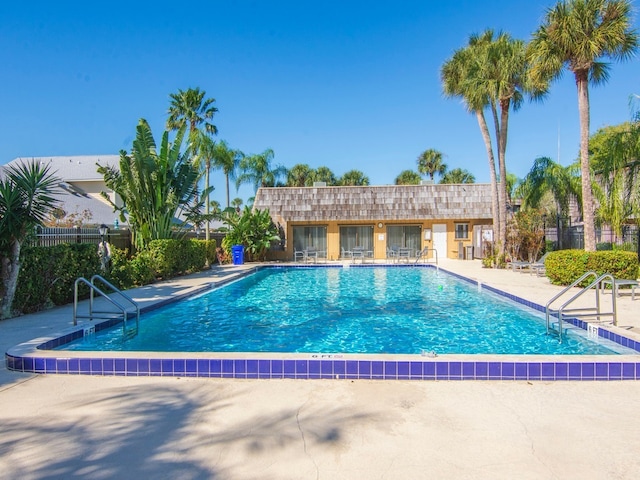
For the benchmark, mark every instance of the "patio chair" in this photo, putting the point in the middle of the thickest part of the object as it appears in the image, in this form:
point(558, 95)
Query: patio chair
point(536, 267)
point(392, 253)
point(299, 255)
point(346, 254)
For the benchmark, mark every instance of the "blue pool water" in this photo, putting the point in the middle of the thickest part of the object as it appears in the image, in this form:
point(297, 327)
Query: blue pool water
point(345, 310)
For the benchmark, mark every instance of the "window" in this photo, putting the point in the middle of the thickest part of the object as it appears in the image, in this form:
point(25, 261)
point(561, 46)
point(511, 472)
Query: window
point(462, 231)
point(351, 237)
point(404, 236)
point(310, 237)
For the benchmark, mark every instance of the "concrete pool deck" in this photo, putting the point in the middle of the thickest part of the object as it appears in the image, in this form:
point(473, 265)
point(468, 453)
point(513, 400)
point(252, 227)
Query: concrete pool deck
point(62, 426)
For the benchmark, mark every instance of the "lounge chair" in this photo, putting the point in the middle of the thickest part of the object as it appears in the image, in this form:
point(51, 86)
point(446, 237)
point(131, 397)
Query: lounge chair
point(346, 254)
point(537, 266)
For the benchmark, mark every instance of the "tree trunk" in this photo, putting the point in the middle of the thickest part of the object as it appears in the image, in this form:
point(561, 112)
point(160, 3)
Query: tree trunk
point(228, 202)
point(500, 233)
point(502, 151)
point(484, 129)
point(208, 209)
point(582, 82)
point(10, 271)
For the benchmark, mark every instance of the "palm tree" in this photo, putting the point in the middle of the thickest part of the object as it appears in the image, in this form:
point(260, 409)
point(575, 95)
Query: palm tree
point(237, 203)
point(205, 147)
point(408, 177)
point(547, 177)
point(430, 163)
point(299, 175)
point(26, 200)
point(577, 34)
point(615, 160)
point(228, 160)
point(323, 174)
point(462, 77)
point(457, 176)
point(189, 107)
point(257, 170)
point(353, 178)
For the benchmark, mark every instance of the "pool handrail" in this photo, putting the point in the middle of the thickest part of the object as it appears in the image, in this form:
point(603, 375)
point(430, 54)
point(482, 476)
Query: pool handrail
point(580, 312)
point(424, 252)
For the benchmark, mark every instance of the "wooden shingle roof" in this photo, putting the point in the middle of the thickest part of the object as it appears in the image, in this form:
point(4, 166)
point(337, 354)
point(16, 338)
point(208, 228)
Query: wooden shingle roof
point(389, 202)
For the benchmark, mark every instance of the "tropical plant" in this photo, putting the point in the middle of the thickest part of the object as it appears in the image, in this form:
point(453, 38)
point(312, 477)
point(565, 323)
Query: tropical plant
point(492, 73)
point(408, 177)
point(205, 151)
point(228, 160)
point(430, 163)
point(258, 171)
point(253, 229)
point(547, 177)
point(159, 189)
point(300, 175)
point(26, 200)
point(237, 203)
point(458, 175)
point(577, 34)
point(615, 160)
point(323, 174)
point(462, 77)
point(353, 178)
point(189, 107)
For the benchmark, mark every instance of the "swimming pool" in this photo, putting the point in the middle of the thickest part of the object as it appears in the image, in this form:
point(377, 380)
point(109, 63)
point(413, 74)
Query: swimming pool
point(346, 310)
point(39, 356)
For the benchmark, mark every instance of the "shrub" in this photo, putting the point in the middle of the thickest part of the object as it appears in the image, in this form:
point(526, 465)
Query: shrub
point(48, 274)
point(566, 266)
point(210, 251)
point(176, 257)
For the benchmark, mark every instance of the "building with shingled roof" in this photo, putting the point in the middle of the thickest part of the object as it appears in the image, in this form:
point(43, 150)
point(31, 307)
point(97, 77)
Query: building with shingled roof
point(454, 220)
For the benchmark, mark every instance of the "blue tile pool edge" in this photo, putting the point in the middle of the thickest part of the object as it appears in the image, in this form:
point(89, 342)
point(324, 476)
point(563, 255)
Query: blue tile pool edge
point(32, 357)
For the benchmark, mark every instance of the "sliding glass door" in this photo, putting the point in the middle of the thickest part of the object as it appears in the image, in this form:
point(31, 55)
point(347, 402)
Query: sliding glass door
point(404, 236)
point(310, 238)
point(352, 237)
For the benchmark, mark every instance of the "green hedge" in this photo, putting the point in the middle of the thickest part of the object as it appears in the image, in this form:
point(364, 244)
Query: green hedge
point(48, 274)
point(566, 266)
point(177, 257)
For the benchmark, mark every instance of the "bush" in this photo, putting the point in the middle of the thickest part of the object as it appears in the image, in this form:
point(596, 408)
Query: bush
point(177, 257)
point(48, 274)
point(566, 266)
point(210, 250)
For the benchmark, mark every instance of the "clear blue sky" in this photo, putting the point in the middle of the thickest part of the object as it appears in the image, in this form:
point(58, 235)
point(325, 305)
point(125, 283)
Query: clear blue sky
point(345, 84)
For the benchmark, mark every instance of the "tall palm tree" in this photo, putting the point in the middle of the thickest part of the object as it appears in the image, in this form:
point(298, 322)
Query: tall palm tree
point(577, 34)
point(491, 73)
point(457, 176)
point(228, 160)
point(462, 77)
point(430, 163)
point(189, 107)
point(26, 200)
point(257, 170)
point(205, 147)
point(408, 177)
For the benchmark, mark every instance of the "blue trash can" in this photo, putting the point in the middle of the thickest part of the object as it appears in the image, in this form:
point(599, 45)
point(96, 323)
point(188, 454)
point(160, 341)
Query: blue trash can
point(237, 254)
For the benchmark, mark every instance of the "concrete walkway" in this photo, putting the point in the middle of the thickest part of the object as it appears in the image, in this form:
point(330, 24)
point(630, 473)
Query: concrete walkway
point(126, 427)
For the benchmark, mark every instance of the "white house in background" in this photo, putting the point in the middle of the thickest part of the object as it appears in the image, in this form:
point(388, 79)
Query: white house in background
point(82, 184)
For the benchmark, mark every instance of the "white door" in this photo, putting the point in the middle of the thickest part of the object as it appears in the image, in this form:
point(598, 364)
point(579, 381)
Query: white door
point(440, 239)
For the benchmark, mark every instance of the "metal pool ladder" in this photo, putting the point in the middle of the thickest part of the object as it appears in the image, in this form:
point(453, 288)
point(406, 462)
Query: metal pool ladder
point(596, 312)
point(122, 310)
